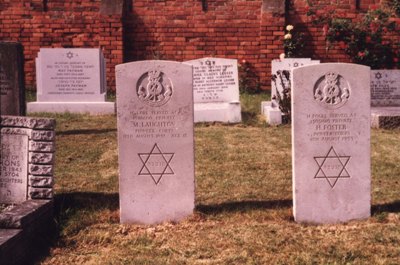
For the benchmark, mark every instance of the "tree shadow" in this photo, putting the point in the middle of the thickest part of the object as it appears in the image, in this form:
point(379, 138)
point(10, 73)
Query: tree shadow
point(243, 206)
point(392, 207)
point(89, 131)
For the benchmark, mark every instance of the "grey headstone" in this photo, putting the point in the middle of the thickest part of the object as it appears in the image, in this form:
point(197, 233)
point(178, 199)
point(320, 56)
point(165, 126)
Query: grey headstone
point(13, 168)
point(155, 141)
point(331, 143)
point(385, 88)
point(12, 89)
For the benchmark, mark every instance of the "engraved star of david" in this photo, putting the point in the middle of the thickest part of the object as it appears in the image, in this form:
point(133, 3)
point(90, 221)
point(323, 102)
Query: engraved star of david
point(332, 167)
point(70, 55)
point(156, 164)
point(378, 75)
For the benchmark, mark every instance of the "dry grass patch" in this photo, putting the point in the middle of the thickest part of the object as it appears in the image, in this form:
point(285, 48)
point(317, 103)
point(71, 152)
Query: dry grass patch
point(243, 209)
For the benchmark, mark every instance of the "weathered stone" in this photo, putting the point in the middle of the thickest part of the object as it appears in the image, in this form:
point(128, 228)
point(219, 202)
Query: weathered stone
point(13, 130)
point(41, 146)
point(40, 193)
point(12, 89)
point(331, 143)
point(46, 170)
point(40, 181)
point(27, 122)
point(385, 88)
point(14, 168)
point(41, 158)
point(155, 141)
point(43, 135)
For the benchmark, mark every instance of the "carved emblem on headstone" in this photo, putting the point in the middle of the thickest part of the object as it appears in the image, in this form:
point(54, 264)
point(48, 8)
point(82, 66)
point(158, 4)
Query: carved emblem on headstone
point(156, 164)
point(332, 167)
point(154, 88)
point(332, 90)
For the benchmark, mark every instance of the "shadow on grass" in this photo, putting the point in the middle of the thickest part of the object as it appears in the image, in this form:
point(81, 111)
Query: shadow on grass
point(392, 207)
point(249, 118)
point(86, 201)
point(243, 206)
point(91, 131)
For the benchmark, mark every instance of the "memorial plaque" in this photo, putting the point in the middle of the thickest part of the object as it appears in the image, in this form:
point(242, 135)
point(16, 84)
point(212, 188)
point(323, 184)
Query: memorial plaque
point(69, 75)
point(155, 141)
point(12, 89)
point(215, 80)
point(385, 88)
point(14, 168)
point(331, 143)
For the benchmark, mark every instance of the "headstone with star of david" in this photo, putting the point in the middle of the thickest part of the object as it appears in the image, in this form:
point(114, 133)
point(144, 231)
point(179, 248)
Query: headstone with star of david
point(216, 90)
point(12, 89)
point(71, 80)
point(385, 88)
point(331, 143)
point(155, 141)
point(385, 98)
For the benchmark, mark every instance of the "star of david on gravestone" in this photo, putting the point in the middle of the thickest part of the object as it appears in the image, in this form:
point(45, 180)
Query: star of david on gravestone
point(378, 75)
point(156, 164)
point(332, 167)
point(70, 55)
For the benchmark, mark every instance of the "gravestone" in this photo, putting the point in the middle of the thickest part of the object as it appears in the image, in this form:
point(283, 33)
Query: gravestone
point(12, 89)
point(71, 80)
point(155, 141)
point(281, 72)
point(216, 90)
point(331, 143)
point(26, 181)
point(385, 98)
point(27, 157)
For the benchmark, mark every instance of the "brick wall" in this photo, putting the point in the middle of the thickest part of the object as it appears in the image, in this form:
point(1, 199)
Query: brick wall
point(250, 30)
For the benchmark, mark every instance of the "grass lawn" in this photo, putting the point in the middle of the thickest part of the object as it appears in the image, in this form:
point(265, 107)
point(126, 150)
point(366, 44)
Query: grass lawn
point(243, 209)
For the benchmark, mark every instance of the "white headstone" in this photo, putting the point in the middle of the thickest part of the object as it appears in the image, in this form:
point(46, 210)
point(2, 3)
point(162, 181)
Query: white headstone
point(155, 141)
point(216, 90)
point(71, 80)
point(331, 143)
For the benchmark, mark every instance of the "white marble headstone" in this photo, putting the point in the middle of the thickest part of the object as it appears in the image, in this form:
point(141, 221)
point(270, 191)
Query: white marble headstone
point(216, 90)
point(71, 79)
point(155, 141)
point(331, 143)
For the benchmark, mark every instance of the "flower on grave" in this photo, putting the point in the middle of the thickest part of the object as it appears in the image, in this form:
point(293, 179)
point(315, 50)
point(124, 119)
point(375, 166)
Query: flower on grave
point(288, 36)
point(289, 27)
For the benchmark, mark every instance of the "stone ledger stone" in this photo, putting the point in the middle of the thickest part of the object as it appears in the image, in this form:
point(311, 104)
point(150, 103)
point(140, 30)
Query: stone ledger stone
point(71, 80)
point(12, 88)
point(155, 141)
point(216, 90)
point(331, 143)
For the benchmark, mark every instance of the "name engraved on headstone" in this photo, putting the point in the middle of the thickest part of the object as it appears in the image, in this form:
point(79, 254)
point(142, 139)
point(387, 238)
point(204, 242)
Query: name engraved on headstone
point(14, 168)
point(5, 82)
